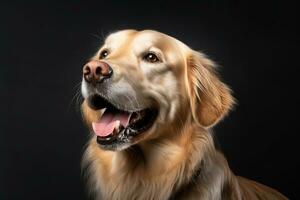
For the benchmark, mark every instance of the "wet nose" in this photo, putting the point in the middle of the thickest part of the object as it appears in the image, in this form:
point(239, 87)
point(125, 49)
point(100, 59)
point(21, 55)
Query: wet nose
point(96, 71)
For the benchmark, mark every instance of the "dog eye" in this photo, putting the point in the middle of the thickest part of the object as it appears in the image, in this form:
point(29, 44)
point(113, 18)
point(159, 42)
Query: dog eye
point(103, 54)
point(151, 58)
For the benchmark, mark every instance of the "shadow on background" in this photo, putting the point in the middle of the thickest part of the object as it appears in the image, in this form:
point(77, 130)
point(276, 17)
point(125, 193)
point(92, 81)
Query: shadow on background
point(45, 45)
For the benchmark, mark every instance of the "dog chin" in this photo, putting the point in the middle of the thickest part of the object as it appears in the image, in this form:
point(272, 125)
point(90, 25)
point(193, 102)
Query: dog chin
point(115, 146)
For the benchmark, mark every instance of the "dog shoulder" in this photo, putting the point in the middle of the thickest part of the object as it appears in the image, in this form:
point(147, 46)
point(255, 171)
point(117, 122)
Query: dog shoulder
point(254, 190)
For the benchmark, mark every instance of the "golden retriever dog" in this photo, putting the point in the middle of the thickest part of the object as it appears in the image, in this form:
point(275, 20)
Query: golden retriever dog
point(149, 103)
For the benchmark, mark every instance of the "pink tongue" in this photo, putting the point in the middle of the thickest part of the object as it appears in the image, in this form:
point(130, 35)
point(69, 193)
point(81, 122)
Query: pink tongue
point(108, 122)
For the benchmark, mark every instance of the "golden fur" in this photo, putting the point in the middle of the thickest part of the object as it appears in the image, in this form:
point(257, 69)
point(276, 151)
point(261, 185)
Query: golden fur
point(176, 158)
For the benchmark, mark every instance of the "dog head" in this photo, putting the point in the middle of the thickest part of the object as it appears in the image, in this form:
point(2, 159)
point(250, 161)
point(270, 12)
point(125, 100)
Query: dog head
point(142, 85)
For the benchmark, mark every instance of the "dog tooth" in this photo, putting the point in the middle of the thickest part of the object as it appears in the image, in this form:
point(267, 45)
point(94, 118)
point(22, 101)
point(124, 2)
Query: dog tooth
point(117, 127)
point(127, 131)
point(102, 111)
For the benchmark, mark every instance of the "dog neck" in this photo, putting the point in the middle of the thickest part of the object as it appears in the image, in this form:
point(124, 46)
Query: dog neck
point(150, 170)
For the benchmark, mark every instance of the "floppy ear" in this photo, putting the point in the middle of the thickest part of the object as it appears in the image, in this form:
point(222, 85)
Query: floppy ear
point(210, 98)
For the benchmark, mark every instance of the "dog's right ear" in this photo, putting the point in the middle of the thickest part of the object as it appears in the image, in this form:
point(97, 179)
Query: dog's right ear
point(210, 98)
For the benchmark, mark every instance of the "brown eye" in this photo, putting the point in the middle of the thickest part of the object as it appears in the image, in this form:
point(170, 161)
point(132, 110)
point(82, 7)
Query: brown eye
point(151, 57)
point(103, 54)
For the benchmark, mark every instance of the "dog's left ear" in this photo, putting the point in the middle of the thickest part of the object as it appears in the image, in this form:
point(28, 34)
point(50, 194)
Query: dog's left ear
point(210, 98)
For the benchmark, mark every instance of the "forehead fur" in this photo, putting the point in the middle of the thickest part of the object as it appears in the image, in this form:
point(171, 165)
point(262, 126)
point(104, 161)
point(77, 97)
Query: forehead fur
point(146, 40)
point(114, 39)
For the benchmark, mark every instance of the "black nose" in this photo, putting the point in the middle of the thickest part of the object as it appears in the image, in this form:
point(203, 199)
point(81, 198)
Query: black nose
point(96, 71)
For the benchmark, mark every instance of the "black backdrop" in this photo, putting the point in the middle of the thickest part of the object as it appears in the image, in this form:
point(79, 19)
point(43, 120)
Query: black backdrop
point(44, 46)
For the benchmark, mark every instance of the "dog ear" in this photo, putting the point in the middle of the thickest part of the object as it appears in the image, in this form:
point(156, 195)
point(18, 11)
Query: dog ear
point(210, 98)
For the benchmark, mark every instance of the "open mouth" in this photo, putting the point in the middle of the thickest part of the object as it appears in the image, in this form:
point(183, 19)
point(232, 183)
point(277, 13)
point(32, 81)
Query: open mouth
point(118, 125)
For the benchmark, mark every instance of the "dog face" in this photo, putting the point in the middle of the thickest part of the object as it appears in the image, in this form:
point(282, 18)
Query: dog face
point(141, 84)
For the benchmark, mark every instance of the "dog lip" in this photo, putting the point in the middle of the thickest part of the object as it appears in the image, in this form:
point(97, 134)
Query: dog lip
point(98, 101)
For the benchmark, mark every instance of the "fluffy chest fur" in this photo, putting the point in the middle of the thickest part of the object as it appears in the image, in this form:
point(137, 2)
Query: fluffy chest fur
point(151, 171)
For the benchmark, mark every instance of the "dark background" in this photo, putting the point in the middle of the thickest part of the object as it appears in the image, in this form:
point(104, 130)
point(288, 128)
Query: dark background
point(44, 46)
